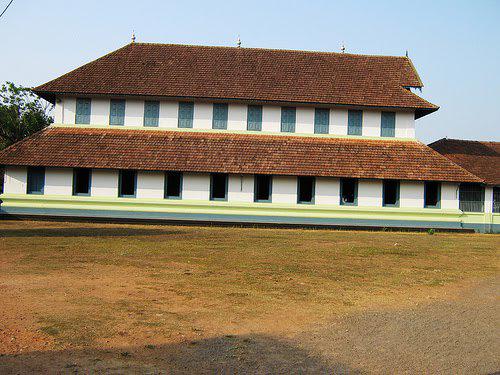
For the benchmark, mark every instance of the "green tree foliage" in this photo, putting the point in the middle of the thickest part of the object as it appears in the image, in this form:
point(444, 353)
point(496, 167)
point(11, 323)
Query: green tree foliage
point(22, 113)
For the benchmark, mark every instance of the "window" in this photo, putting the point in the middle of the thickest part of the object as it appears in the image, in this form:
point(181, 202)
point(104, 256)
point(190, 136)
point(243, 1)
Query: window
point(432, 194)
point(321, 120)
point(496, 200)
point(36, 180)
point(254, 118)
point(218, 186)
point(471, 198)
point(288, 120)
point(388, 124)
point(83, 106)
point(81, 181)
point(117, 112)
point(151, 113)
point(219, 119)
point(173, 185)
point(305, 190)
point(127, 184)
point(390, 193)
point(263, 188)
point(348, 191)
point(354, 122)
point(186, 112)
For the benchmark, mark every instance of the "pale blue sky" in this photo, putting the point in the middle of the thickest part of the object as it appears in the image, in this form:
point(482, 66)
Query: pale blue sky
point(455, 45)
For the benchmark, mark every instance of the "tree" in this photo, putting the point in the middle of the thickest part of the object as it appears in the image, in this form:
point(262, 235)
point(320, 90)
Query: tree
point(22, 113)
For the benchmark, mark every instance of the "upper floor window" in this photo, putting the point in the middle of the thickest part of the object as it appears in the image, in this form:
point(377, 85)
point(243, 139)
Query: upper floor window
point(263, 187)
point(151, 113)
point(186, 114)
point(173, 185)
point(81, 181)
point(36, 180)
point(321, 120)
point(127, 184)
point(254, 118)
point(388, 124)
point(219, 118)
point(288, 119)
point(471, 197)
point(432, 194)
point(117, 112)
point(390, 193)
point(354, 122)
point(348, 192)
point(306, 187)
point(82, 115)
point(218, 187)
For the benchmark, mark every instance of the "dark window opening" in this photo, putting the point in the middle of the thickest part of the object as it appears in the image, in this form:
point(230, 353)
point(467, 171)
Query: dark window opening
point(173, 185)
point(81, 181)
point(391, 193)
point(471, 198)
point(218, 186)
point(262, 188)
point(127, 184)
point(36, 180)
point(432, 194)
point(496, 200)
point(306, 190)
point(348, 191)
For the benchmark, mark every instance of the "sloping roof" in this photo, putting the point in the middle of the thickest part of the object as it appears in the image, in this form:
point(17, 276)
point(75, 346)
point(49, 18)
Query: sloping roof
point(230, 73)
point(479, 158)
point(233, 153)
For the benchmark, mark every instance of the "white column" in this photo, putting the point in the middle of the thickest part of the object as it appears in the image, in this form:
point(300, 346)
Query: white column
point(488, 200)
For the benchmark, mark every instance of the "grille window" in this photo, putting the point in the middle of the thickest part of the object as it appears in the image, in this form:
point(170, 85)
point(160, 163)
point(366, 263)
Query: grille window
point(388, 124)
point(254, 118)
point(354, 122)
point(81, 181)
point(151, 113)
point(186, 114)
point(306, 190)
point(321, 120)
point(390, 193)
point(83, 107)
point(471, 198)
point(219, 118)
point(496, 200)
point(432, 194)
point(262, 188)
point(117, 112)
point(288, 116)
point(36, 180)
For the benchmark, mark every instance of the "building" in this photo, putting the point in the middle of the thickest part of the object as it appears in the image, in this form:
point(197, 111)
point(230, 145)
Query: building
point(237, 135)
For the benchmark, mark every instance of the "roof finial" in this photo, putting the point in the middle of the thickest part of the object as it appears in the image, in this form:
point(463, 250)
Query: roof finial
point(342, 47)
point(406, 53)
point(238, 42)
point(133, 36)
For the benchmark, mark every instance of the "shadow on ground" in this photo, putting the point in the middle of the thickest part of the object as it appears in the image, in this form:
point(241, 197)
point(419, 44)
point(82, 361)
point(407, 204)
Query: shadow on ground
point(86, 232)
point(224, 354)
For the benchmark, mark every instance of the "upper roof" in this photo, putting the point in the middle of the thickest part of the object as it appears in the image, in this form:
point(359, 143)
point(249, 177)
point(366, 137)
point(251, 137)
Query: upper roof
point(246, 74)
point(233, 153)
point(480, 158)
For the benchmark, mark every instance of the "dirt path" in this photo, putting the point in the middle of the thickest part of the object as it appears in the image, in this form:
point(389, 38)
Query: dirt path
point(454, 334)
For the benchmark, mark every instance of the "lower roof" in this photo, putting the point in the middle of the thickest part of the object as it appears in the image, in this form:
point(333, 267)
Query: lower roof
point(480, 158)
point(233, 153)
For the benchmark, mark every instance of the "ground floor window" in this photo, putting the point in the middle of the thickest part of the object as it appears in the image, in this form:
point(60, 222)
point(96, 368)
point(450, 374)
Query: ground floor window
point(263, 188)
point(218, 186)
point(81, 181)
point(35, 180)
point(471, 198)
point(348, 191)
point(496, 200)
point(127, 184)
point(173, 185)
point(390, 193)
point(432, 194)
point(306, 186)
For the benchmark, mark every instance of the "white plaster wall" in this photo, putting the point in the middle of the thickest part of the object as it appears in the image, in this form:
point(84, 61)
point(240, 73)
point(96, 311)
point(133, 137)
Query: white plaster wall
point(196, 186)
point(411, 194)
point(240, 188)
point(304, 120)
point(150, 184)
point(405, 125)
point(338, 121)
point(370, 193)
point(99, 114)
point(134, 113)
point(237, 117)
point(15, 180)
point(58, 111)
point(271, 119)
point(284, 189)
point(69, 110)
point(169, 112)
point(449, 196)
point(371, 123)
point(58, 181)
point(104, 183)
point(203, 113)
point(488, 200)
point(327, 191)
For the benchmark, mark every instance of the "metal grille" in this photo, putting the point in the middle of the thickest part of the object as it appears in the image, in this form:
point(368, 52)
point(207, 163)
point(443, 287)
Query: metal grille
point(496, 200)
point(471, 198)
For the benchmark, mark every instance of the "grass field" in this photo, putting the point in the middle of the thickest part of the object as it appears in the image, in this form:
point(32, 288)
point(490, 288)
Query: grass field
point(133, 288)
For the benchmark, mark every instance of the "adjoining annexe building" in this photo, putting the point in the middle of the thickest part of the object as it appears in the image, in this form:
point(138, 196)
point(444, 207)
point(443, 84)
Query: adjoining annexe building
point(243, 135)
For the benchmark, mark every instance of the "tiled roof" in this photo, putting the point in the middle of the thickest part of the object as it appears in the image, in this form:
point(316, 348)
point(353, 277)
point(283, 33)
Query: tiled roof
point(480, 158)
point(246, 74)
point(233, 153)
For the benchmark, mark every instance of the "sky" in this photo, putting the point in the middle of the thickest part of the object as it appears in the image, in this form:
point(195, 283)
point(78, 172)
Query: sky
point(455, 45)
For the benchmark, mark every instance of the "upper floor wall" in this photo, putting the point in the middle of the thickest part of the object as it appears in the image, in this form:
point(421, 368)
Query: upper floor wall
point(235, 117)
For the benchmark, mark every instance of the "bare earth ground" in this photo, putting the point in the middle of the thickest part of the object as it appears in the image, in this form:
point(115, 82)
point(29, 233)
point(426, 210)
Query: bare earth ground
point(80, 298)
